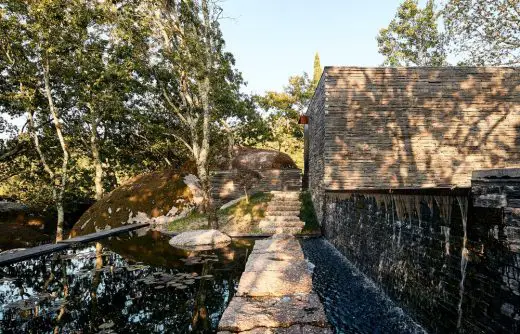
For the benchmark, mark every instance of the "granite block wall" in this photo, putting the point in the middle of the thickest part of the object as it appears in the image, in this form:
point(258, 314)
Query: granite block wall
point(451, 275)
point(418, 127)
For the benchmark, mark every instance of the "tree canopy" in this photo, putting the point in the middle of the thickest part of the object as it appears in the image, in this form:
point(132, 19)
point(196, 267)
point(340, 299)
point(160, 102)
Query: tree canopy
point(412, 37)
point(474, 32)
point(484, 32)
point(105, 90)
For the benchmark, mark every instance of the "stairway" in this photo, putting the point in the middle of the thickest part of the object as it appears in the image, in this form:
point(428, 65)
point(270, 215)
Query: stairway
point(282, 215)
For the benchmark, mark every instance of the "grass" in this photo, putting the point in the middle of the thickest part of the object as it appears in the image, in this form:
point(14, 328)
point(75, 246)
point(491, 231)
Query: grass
point(307, 214)
point(242, 217)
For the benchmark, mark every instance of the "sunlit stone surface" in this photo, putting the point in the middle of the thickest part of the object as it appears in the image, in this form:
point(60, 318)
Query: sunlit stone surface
point(275, 292)
point(194, 239)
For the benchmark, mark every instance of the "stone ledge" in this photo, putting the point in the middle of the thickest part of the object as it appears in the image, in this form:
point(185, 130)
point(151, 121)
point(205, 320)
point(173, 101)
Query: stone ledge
point(245, 314)
point(495, 173)
point(295, 329)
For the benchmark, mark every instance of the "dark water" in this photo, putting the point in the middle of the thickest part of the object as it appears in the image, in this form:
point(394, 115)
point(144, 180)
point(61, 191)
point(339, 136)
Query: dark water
point(352, 302)
point(128, 284)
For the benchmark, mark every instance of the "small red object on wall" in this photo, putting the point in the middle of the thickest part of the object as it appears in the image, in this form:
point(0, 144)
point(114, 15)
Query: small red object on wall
point(303, 119)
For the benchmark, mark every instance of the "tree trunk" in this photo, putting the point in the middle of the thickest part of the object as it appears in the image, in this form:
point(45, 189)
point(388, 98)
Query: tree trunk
point(96, 157)
point(61, 219)
point(98, 177)
point(57, 125)
point(205, 183)
point(206, 108)
point(52, 176)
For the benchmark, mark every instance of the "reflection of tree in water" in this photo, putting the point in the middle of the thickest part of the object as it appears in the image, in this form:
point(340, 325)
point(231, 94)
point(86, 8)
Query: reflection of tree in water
point(65, 293)
point(86, 288)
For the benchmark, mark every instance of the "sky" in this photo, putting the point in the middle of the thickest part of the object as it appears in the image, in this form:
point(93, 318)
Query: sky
point(274, 39)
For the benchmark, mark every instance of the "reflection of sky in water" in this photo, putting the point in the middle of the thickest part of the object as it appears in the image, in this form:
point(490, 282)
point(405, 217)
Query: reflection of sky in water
point(139, 284)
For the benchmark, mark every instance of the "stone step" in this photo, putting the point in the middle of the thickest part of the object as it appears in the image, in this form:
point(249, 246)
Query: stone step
point(282, 212)
point(281, 218)
point(285, 230)
point(280, 223)
point(285, 199)
point(284, 206)
point(288, 193)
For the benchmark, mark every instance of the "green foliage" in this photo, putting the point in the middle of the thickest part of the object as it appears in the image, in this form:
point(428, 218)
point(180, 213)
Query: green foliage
point(282, 110)
point(484, 32)
point(317, 70)
point(244, 207)
point(412, 37)
point(307, 214)
point(124, 76)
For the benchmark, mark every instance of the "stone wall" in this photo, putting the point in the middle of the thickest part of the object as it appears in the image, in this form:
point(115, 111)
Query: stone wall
point(225, 184)
point(449, 275)
point(500, 189)
point(412, 127)
point(315, 146)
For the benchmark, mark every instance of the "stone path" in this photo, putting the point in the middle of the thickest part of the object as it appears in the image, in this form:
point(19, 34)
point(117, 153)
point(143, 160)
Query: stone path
point(275, 293)
point(282, 215)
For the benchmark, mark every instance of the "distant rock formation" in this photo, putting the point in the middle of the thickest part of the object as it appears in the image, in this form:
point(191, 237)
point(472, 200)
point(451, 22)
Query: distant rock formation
point(256, 159)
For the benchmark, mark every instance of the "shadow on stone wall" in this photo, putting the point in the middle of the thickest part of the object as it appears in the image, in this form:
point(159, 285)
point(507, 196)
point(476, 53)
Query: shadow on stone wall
point(419, 127)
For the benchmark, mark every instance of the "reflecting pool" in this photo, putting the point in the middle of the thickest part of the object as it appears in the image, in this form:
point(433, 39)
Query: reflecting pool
point(126, 284)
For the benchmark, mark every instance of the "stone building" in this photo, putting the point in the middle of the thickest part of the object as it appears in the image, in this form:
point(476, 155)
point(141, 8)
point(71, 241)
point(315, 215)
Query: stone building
point(410, 128)
point(389, 156)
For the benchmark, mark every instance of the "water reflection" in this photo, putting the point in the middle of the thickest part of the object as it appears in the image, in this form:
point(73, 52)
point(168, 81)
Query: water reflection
point(126, 284)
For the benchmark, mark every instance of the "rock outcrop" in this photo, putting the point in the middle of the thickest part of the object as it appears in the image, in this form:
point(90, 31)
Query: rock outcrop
point(156, 198)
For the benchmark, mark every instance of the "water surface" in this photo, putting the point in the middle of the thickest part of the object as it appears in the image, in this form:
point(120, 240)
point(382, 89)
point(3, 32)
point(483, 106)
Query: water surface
point(137, 284)
point(353, 303)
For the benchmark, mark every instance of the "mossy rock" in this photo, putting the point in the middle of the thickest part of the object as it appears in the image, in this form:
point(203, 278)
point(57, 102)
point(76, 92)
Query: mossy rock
point(161, 195)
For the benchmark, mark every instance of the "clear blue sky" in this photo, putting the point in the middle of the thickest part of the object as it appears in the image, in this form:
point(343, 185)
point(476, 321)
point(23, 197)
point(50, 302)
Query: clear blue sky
point(273, 39)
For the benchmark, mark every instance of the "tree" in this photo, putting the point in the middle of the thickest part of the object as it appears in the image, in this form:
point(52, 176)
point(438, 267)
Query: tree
point(317, 70)
point(484, 32)
point(247, 178)
point(104, 83)
point(39, 40)
point(192, 76)
point(283, 109)
point(412, 37)
point(110, 89)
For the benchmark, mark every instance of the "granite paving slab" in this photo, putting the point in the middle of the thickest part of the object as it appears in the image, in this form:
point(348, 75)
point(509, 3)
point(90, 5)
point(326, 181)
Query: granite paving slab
point(244, 314)
point(275, 262)
point(274, 284)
